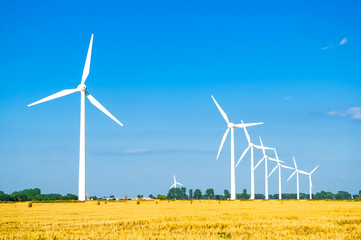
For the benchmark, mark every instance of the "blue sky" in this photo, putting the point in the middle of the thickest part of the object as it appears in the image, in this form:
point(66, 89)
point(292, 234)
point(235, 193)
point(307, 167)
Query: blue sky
point(293, 65)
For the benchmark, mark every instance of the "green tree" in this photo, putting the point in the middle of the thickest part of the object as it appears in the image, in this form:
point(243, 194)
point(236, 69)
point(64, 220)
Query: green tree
point(342, 195)
point(190, 194)
point(161, 197)
point(210, 193)
point(259, 196)
point(175, 193)
point(226, 194)
point(197, 194)
point(151, 196)
point(244, 194)
point(183, 193)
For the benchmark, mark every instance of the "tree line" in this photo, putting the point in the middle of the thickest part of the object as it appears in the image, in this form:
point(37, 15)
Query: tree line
point(174, 193)
point(34, 195)
point(181, 193)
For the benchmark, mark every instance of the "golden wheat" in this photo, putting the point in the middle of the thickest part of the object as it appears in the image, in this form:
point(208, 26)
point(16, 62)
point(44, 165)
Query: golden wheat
point(206, 219)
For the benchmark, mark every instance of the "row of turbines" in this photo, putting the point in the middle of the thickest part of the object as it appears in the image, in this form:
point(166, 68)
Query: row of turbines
point(265, 158)
point(82, 89)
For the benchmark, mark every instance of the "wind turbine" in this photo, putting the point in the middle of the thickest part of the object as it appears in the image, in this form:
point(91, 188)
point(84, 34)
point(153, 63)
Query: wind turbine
point(279, 166)
point(83, 92)
point(309, 177)
point(296, 171)
point(250, 146)
point(231, 126)
point(265, 158)
point(175, 183)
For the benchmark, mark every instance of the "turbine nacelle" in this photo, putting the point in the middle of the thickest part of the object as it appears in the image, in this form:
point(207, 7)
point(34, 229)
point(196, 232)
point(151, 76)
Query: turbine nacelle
point(231, 125)
point(81, 87)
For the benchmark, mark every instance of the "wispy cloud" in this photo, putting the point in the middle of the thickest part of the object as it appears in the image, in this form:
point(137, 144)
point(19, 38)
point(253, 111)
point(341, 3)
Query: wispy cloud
point(327, 47)
point(142, 151)
point(343, 41)
point(287, 98)
point(354, 112)
point(137, 150)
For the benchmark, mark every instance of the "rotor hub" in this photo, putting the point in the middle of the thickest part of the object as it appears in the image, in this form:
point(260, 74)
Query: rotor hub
point(82, 87)
point(231, 125)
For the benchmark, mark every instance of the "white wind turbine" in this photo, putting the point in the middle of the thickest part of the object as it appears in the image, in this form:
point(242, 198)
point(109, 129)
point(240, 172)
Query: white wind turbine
point(175, 183)
point(265, 158)
point(309, 177)
point(296, 171)
point(83, 91)
point(250, 146)
point(231, 126)
point(279, 166)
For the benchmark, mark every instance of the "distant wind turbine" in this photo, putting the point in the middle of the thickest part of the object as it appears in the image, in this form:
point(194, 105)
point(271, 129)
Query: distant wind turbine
point(231, 126)
point(279, 166)
point(175, 183)
point(250, 146)
point(309, 178)
point(296, 172)
point(83, 91)
point(265, 158)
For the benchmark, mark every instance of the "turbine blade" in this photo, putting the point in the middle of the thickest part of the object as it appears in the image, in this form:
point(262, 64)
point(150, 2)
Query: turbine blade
point(263, 149)
point(314, 169)
point(274, 169)
point(54, 96)
point(244, 153)
point(294, 161)
point(179, 184)
point(291, 175)
point(174, 178)
point(171, 186)
point(275, 160)
point(247, 135)
point(284, 166)
point(259, 162)
point(101, 108)
point(223, 139)
point(303, 172)
point(276, 154)
point(87, 61)
point(221, 110)
point(244, 125)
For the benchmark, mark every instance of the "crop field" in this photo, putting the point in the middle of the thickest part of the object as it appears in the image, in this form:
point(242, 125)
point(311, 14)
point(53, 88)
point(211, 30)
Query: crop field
point(197, 219)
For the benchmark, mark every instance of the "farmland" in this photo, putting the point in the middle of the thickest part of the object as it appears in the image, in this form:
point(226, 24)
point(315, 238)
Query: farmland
point(197, 219)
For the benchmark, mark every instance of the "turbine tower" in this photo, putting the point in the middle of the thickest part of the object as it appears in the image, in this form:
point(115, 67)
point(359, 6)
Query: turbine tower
point(250, 146)
point(231, 126)
point(265, 158)
point(309, 177)
point(296, 171)
point(279, 166)
point(175, 183)
point(83, 92)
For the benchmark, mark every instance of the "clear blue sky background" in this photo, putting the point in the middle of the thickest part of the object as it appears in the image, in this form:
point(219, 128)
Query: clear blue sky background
point(293, 65)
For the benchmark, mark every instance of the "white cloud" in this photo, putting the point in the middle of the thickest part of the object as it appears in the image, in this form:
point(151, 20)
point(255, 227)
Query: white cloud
point(137, 150)
point(343, 41)
point(327, 47)
point(354, 112)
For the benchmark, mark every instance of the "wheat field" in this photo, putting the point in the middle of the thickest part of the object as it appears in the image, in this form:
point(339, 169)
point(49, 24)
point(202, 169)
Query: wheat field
point(197, 219)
